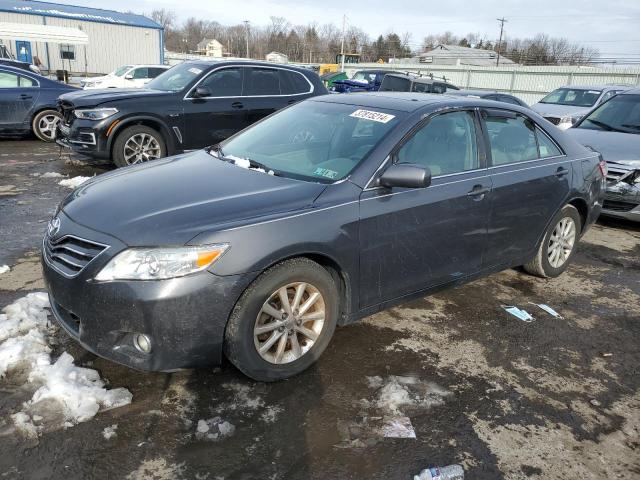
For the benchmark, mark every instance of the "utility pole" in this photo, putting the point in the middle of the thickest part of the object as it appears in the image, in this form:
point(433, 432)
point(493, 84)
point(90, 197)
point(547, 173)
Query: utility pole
point(344, 22)
point(501, 20)
point(246, 27)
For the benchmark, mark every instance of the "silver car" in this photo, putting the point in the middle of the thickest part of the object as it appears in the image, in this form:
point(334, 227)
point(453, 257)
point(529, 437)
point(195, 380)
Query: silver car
point(565, 106)
point(613, 129)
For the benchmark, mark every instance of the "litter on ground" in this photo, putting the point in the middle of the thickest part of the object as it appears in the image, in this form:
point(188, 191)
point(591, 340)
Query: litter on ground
point(519, 314)
point(110, 432)
point(547, 309)
point(214, 429)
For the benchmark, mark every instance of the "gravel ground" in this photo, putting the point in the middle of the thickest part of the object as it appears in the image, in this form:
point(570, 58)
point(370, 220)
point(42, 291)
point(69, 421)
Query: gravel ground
point(555, 398)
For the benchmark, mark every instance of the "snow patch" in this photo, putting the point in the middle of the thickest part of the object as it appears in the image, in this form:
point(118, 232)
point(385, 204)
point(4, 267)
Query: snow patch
point(270, 414)
point(4, 268)
point(73, 182)
point(65, 394)
point(246, 163)
point(399, 393)
point(51, 175)
point(243, 397)
point(110, 432)
point(214, 429)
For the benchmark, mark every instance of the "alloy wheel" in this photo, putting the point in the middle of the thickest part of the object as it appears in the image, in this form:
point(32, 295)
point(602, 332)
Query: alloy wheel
point(47, 126)
point(141, 147)
point(289, 323)
point(561, 242)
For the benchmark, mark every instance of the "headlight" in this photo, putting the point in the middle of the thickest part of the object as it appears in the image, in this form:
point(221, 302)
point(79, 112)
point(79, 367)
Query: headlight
point(160, 263)
point(95, 113)
point(571, 120)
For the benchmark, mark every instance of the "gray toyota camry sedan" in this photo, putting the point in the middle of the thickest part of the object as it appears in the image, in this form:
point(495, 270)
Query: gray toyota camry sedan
point(325, 212)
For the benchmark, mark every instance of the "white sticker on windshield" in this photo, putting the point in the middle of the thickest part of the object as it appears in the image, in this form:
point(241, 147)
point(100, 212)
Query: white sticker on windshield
point(325, 172)
point(596, 92)
point(195, 70)
point(371, 115)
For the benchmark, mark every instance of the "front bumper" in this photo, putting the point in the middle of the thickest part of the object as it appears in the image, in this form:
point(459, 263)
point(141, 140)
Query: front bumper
point(85, 137)
point(185, 317)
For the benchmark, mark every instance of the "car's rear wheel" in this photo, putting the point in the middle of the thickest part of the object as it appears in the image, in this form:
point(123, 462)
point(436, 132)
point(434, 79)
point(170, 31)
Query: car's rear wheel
point(559, 244)
point(283, 321)
point(138, 144)
point(44, 125)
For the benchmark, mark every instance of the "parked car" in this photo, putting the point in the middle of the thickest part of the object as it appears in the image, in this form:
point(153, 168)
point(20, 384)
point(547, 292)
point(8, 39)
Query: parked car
point(261, 245)
point(613, 129)
point(567, 105)
point(28, 103)
point(9, 62)
point(190, 106)
point(400, 82)
point(490, 95)
point(362, 81)
point(128, 76)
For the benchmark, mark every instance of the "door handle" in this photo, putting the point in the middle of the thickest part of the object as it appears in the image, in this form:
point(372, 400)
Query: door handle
point(24, 96)
point(237, 105)
point(478, 192)
point(561, 172)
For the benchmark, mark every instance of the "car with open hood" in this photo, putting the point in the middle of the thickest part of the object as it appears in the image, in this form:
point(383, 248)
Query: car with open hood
point(565, 106)
point(613, 130)
point(258, 247)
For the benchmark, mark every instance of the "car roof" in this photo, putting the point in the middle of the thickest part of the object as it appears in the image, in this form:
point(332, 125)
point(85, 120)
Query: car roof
point(400, 101)
point(19, 70)
point(606, 87)
point(631, 91)
point(479, 93)
point(225, 62)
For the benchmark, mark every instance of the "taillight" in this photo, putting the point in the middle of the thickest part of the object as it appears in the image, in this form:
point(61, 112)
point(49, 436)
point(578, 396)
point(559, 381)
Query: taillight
point(603, 168)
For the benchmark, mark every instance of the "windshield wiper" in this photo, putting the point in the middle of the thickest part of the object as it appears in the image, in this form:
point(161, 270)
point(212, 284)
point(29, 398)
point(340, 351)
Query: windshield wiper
point(605, 126)
point(627, 125)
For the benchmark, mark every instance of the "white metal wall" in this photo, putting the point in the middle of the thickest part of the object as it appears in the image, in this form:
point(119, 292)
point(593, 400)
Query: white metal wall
point(110, 45)
point(527, 83)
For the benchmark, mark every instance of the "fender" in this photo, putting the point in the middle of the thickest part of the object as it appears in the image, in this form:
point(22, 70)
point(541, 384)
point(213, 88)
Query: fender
point(164, 130)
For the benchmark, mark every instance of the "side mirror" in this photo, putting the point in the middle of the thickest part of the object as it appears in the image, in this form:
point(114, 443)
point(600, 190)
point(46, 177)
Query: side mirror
point(405, 175)
point(201, 92)
point(128, 77)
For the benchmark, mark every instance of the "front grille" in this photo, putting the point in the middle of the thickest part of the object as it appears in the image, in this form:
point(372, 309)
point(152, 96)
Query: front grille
point(617, 206)
point(554, 120)
point(615, 174)
point(69, 255)
point(66, 109)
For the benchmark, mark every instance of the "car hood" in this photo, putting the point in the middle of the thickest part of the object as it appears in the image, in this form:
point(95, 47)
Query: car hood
point(170, 201)
point(90, 98)
point(614, 146)
point(552, 110)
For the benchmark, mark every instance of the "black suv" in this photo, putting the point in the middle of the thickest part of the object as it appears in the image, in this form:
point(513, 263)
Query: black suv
point(398, 82)
point(190, 106)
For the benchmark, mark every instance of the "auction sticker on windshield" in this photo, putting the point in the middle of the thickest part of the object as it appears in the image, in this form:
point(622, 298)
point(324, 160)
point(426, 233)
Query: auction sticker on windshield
point(195, 70)
point(371, 115)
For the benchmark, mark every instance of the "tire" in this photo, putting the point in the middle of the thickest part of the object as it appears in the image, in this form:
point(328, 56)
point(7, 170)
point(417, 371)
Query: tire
point(545, 264)
point(124, 155)
point(44, 125)
point(241, 345)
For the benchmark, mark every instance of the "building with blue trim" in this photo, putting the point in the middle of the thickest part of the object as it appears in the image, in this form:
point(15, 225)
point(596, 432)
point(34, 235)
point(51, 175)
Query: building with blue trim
point(115, 38)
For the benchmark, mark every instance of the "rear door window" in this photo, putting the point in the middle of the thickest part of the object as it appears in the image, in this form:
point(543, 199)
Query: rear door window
point(27, 82)
point(293, 83)
point(154, 72)
point(546, 146)
point(138, 73)
point(262, 81)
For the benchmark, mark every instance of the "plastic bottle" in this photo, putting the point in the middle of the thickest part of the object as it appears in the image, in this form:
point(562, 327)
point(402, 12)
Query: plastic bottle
point(452, 472)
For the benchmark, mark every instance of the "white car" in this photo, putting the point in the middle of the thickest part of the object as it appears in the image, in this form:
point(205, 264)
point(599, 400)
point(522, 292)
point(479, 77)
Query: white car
point(127, 76)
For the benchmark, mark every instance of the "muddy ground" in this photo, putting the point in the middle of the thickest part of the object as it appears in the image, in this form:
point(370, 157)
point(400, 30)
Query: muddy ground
point(555, 398)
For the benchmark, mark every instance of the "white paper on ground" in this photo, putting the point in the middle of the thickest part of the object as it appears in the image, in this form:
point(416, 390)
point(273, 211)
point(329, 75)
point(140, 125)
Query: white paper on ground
point(398, 427)
point(547, 309)
point(518, 313)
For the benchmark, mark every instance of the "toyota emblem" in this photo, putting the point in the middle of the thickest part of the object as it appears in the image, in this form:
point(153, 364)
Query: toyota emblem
point(54, 226)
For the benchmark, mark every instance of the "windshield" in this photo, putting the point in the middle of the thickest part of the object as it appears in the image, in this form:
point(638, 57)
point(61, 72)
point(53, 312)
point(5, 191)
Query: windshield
point(121, 71)
point(176, 78)
point(364, 77)
point(620, 114)
point(574, 97)
point(315, 141)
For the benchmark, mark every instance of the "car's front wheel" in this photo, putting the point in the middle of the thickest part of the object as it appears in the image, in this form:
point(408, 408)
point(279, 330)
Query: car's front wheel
point(138, 144)
point(283, 321)
point(44, 125)
point(558, 245)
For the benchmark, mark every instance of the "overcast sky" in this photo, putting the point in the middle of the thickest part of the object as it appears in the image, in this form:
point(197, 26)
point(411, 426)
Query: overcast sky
point(611, 26)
